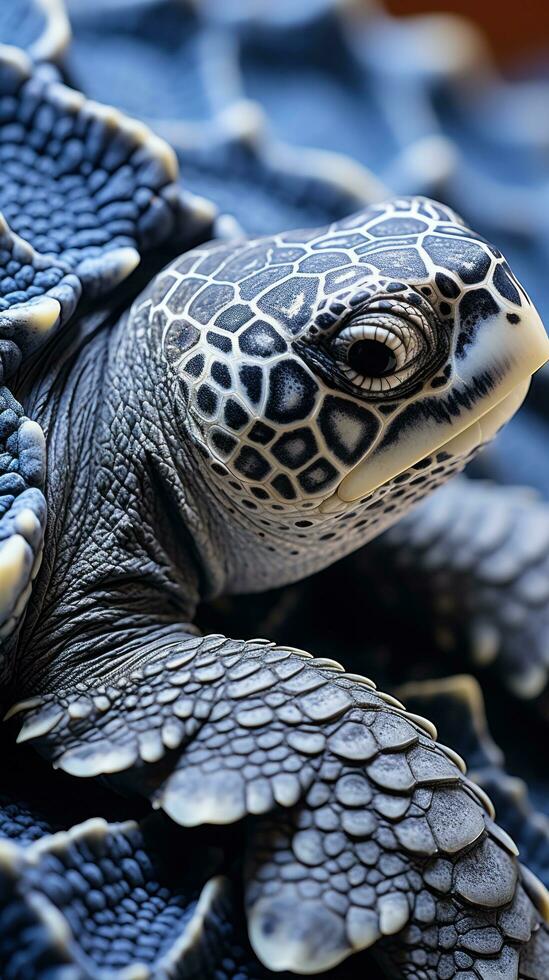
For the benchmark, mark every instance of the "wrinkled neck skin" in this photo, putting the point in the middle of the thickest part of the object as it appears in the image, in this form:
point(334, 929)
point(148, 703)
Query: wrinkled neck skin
point(119, 574)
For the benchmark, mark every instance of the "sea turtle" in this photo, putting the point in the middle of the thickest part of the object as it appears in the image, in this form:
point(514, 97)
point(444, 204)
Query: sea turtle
point(424, 129)
point(260, 409)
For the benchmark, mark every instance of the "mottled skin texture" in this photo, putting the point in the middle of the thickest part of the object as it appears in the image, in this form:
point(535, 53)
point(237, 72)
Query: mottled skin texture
point(362, 827)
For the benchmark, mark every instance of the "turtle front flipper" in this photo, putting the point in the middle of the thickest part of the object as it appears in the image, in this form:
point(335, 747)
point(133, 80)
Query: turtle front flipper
point(362, 830)
point(478, 554)
point(38, 294)
point(22, 458)
point(456, 705)
point(22, 508)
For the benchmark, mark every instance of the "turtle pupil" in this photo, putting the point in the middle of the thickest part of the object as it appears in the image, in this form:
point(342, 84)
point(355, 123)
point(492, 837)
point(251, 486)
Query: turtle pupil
point(371, 358)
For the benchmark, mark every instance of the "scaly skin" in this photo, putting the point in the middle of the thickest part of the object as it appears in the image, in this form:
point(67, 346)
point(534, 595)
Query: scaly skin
point(114, 880)
point(363, 830)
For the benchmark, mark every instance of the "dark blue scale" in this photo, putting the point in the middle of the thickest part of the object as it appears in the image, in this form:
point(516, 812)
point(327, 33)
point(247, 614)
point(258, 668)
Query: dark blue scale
point(219, 341)
point(397, 227)
point(195, 366)
point(235, 416)
point(234, 317)
point(292, 392)
point(349, 429)
point(251, 287)
point(260, 493)
point(284, 487)
point(291, 303)
point(252, 382)
point(448, 286)
point(469, 261)
point(261, 433)
point(346, 242)
point(221, 374)
point(246, 261)
point(184, 292)
point(261, 340)
point(159, 288)
point(280, 255)
point(294, 449)
point(223, 443)
point(212, 262)
point(324, 262)
point(206, 399)
point(319, 476)
point(477, 305)
point(504, 284)
point(252, 464)
point(211, 299)
point(405, 263)
point(348, 276)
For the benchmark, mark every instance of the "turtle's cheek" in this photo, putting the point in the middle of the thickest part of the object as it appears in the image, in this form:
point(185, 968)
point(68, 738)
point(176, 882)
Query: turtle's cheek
point(491, 379)
point(290, 451)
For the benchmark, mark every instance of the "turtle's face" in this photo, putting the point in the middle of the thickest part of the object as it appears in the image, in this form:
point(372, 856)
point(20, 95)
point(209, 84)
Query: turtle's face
point(343, 372)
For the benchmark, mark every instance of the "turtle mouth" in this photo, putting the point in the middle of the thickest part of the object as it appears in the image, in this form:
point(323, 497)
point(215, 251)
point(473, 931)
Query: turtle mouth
point(513, 358)
point(463, 445)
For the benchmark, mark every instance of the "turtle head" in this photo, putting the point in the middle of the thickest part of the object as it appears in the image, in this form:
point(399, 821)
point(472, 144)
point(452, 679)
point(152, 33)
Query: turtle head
point(333, 377)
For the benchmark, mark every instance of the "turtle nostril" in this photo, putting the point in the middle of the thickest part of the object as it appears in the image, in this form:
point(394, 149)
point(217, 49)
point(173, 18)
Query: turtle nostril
point(371, 358)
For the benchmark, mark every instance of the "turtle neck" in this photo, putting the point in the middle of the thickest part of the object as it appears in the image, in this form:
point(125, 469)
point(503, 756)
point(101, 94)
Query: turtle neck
point(116, 563)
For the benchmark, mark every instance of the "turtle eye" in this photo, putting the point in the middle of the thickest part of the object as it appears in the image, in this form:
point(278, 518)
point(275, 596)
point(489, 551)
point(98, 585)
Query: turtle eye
point(378, 350)
point(371, 358)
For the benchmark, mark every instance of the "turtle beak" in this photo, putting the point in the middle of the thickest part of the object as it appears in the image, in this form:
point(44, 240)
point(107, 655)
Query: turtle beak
point(490, 383)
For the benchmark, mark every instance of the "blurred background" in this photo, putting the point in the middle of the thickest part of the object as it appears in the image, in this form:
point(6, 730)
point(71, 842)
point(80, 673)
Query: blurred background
point(515, 34)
